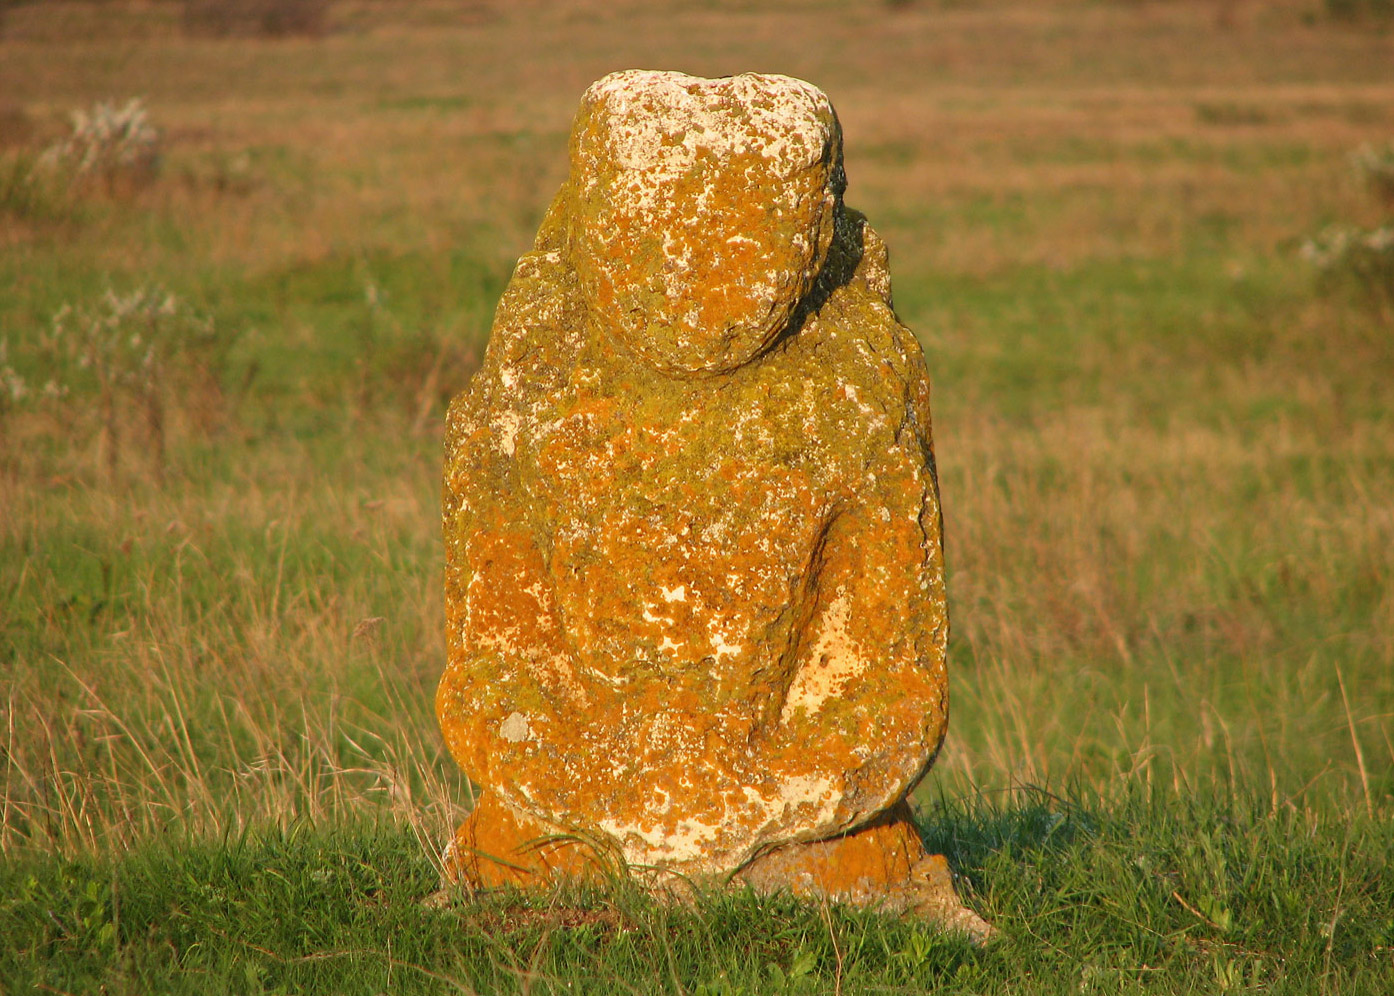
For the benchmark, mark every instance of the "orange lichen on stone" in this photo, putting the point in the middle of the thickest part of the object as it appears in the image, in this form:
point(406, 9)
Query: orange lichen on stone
point(695, 584)
point(500, 846)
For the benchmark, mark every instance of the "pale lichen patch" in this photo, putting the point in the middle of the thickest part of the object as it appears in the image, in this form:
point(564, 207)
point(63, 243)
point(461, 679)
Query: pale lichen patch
point(833, 661)
point(515, 728)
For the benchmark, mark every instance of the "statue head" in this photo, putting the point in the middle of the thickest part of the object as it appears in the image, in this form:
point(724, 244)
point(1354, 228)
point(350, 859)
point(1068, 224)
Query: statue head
point(702, 211)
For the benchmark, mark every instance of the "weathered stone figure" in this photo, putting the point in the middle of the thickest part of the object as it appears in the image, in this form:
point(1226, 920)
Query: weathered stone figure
point(695, 587)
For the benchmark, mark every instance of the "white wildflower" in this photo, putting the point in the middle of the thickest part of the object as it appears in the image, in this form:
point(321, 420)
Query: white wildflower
point(107, 141)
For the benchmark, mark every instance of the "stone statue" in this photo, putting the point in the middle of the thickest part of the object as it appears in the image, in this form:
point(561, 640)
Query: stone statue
point(695, 583)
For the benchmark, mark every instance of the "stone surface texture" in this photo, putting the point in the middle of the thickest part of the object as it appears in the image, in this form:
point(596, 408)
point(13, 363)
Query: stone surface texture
point(695, 587)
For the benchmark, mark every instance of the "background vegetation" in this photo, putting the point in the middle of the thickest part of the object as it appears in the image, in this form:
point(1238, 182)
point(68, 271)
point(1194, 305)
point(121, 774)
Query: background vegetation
point(1140, 244)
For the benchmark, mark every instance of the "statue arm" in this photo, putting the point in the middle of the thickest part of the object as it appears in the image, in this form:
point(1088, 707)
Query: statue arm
point(869, 690)
point(510, 670)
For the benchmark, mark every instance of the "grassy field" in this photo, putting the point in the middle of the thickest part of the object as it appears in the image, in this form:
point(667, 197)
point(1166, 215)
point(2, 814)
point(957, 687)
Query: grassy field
point(1166, 447)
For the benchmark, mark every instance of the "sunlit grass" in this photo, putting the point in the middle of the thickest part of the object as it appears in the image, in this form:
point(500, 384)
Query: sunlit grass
point(1164, 451)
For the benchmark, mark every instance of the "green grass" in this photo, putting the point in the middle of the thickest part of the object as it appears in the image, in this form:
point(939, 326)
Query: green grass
point(1164, 450)
point(1132, 895)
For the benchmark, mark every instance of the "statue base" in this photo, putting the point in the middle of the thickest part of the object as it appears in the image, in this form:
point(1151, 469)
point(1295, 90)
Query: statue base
point(882, 865)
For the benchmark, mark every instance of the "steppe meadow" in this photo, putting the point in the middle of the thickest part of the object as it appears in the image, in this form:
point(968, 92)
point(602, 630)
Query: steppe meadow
point(1148, 248)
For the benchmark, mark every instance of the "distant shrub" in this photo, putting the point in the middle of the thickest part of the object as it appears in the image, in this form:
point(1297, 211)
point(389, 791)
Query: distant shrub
point(142, 357)
point(13, 387)
point(1376, 165)
point(1362, 258)
point(17, 392)
point(1359, 10)
point(114, 146)
point(27, 192)
point(220, 18)
point(1230, 113)
point(111, 147)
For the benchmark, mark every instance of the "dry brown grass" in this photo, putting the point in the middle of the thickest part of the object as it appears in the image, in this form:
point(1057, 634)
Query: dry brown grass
point(206, 673)
point(1171, 542)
